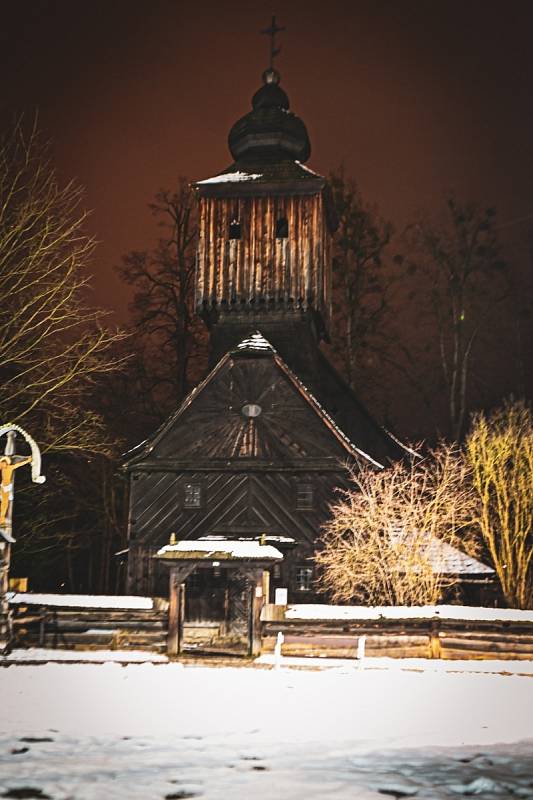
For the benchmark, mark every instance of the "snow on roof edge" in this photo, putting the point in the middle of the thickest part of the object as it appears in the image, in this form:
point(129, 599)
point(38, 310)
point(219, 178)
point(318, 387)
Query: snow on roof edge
point(234, 548)
point(320, 408)
point(308, 169)
point(255, 341)
point(230, 177)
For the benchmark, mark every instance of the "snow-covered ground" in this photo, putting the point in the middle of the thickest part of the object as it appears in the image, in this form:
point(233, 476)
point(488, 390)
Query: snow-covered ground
point(170, 731)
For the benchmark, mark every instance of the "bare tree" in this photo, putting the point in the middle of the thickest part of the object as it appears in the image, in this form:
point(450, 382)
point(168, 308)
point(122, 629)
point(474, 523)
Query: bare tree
point(459, 278)
point(168, 335)
point(53, 346)
point(360, 300)
point(389, 535)
point(500, 451)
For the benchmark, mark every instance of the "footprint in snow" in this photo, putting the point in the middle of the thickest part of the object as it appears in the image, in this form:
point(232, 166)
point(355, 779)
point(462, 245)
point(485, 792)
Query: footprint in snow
point(33, 739)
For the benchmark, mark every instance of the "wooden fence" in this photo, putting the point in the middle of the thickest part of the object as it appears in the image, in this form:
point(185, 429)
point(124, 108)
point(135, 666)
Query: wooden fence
point(86, 628)
point(401, 638)
point(75, 628)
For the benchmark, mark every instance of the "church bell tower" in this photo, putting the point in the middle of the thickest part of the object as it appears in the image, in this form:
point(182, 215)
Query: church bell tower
point(258, 448)
point(265, 227)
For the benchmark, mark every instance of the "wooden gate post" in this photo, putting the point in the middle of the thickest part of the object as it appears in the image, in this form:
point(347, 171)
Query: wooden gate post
point(173, 637)
point(254, 648)
point(181, 615)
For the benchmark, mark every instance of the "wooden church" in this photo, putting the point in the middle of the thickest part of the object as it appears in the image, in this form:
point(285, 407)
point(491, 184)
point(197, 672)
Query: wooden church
point(256, 451)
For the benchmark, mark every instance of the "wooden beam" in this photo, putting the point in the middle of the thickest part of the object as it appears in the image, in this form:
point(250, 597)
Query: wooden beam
point(266, 586)
point(325, 464)
point(256, 605)
point(181, 615)
point(173, 638)
point(176, 607)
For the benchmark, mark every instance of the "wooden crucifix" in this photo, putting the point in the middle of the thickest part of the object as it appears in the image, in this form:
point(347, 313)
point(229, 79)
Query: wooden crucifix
point(271, 31)
point(9, 463)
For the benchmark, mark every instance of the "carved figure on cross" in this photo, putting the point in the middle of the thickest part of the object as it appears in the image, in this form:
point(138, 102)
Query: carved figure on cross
point(9, 462)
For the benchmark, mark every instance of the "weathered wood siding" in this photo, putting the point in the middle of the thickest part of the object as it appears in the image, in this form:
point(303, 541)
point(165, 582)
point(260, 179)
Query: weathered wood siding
point(250, 502)
point(258, 267)
point(213, 427)
point(248, 468)
point(247, 503)
point(86, 628)
point(407, 638)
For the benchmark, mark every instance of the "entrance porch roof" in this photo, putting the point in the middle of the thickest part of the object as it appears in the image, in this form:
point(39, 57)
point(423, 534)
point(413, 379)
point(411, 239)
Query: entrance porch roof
point(219, 549)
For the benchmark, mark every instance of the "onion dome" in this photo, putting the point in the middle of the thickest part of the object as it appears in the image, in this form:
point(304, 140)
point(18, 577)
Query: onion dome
point(270, 131)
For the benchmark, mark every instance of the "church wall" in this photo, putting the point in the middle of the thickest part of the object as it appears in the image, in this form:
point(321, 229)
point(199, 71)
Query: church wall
point(233, 504)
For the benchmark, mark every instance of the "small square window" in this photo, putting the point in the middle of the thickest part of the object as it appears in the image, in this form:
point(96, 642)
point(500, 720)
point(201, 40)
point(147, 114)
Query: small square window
point(193, 495)
point(304, 496)
point(304, 578)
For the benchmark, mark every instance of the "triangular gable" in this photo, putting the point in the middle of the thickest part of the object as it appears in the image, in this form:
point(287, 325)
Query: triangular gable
point(210, 423)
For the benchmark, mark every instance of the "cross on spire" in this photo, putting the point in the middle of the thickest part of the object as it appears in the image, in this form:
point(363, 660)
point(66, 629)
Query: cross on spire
point(271, 31)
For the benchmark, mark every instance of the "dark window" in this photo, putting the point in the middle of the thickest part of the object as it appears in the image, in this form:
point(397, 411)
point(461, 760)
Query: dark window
point(193, 495)
point(282, 228)
point(194, 579)
point(234, 229)
point(304, 578)
point(304, 496)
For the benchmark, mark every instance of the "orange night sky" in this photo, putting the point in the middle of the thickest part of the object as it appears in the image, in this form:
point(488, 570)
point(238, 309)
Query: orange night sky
point(415, 98)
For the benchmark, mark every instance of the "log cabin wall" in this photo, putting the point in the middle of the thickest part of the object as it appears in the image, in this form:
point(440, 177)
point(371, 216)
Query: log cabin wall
point(260, 268)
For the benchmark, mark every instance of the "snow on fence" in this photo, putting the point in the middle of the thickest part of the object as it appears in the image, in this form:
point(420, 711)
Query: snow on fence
point(141, 623)
point(449, 632)
point(472, 613)
point(81, 600)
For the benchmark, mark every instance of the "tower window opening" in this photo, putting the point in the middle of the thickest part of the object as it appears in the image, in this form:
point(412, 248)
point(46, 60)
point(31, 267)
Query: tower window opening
point(282, 228)
point(234, 229)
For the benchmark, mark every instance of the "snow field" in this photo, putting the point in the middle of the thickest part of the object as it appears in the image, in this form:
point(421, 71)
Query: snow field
point(170, 731)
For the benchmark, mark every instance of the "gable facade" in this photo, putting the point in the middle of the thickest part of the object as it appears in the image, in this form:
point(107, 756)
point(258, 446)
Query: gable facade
point(216, 470)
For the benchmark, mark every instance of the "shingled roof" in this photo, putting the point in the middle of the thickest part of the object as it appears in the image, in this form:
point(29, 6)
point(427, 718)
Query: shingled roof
point(354, 437)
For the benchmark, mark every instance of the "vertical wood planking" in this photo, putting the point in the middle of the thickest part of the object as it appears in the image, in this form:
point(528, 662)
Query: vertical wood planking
point(200, 256)
point(260, 266)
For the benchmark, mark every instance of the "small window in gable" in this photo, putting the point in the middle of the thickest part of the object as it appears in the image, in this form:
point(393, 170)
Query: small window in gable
point(193, 495)
point(304, 496)
point(282, 228)
point(234, 229)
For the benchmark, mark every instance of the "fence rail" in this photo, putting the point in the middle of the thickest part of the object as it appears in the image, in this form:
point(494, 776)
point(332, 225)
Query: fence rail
point(63, 627)
point(397, 638)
